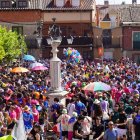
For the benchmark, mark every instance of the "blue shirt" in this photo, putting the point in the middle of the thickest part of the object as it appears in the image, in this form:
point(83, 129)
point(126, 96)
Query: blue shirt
point(79, 106)
point(111, 135)
point(46, 104)
point(55, 106)
point(28, 118)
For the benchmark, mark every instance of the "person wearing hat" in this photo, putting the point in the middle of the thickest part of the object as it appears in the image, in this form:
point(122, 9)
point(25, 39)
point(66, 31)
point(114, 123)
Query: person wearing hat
point(71, 122)
point(96, 109)
point(63, 120)
point(111, 133)
point(28, 119)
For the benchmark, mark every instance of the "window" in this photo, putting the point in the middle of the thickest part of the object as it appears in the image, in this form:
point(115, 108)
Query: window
point(107, 38)
point(5, 4)
point(136, 40)
point(59, 3)
point(18, 29)
point(22, 4)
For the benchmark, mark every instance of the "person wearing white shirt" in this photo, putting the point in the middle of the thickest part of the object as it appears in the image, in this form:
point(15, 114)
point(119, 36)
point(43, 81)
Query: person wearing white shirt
point(71, 107)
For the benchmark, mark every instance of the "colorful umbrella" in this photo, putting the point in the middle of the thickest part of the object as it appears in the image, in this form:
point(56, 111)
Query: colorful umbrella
point(19, 69)
point(28, 58)
point(36, 64)
point(40, 68)
point(97, 86)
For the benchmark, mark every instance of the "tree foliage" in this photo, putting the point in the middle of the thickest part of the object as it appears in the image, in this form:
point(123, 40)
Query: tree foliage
point(12, 45)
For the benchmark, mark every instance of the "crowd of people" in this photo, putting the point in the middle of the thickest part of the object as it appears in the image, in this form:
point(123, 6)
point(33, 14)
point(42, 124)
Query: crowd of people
point(108, 115)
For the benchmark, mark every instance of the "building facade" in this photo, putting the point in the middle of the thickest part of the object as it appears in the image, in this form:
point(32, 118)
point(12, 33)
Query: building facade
point(130, 24)
point(119, 25)
point(75, 18)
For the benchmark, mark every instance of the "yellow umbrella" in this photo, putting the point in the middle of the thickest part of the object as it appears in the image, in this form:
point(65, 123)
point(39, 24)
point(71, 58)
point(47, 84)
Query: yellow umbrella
point(19, 70)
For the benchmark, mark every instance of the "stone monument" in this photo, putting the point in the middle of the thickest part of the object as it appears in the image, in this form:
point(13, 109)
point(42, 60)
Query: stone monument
point(55, 65)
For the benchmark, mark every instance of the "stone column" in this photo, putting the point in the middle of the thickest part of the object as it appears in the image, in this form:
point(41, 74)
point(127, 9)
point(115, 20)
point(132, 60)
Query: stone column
point(55, 71)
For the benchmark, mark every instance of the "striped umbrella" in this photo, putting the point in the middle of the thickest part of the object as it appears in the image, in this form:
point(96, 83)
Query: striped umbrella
point(97, 86)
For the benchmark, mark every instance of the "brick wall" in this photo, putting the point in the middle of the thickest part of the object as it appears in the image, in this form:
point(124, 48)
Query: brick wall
point(20, 16)
point(127, 37)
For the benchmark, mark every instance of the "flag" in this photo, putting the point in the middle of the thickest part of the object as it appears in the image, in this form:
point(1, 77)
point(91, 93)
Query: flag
point(9, 137)
point(18, 131)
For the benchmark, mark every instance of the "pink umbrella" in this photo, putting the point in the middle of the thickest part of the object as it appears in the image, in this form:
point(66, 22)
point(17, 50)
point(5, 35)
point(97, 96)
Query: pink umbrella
point(40, 68)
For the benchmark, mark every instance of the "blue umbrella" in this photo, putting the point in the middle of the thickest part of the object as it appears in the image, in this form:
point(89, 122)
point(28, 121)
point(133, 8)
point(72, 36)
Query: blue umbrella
point(28, 58)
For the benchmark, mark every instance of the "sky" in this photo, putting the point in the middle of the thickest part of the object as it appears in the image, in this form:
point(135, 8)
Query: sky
point(116, 1)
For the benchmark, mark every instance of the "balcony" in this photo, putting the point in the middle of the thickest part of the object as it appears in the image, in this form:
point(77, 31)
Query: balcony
point(77, 41)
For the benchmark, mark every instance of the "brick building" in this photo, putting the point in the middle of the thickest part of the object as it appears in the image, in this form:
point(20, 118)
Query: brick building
point(75, 18)
point(130, 23)
point(117, 29)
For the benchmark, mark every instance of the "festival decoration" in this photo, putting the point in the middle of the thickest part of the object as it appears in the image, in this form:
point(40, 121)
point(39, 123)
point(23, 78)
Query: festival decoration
point(72, 55)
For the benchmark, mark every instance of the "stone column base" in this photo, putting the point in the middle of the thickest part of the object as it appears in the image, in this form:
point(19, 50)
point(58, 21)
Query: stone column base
point(60, 95)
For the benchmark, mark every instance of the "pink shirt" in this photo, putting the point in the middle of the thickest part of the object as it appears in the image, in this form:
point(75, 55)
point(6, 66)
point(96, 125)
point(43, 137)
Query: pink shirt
point(34, 101)
point(35, 115)
point(13, 115)
point(18, 111)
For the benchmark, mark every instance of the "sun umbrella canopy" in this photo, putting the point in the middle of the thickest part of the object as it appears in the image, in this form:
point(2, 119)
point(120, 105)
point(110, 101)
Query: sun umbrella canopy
point(19, 69)
point(40, 68)
point(36, 64)
point(97, 86)
point(28, 58)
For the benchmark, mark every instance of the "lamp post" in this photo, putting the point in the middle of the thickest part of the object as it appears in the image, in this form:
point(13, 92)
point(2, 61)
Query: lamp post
point(55, 64)
point(39, 35)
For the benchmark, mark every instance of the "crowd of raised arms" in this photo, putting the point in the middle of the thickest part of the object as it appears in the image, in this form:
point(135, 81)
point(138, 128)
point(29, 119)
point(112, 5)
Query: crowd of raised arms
point(87, 115)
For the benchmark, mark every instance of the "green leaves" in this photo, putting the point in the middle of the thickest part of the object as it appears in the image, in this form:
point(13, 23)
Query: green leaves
point(12, 45)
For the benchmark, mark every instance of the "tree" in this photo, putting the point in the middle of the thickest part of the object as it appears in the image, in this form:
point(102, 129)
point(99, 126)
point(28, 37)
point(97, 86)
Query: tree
point(12, 45)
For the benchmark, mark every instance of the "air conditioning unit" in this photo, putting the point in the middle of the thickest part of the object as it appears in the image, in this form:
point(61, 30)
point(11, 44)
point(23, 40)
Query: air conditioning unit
point(60, 3)
point(75, 3)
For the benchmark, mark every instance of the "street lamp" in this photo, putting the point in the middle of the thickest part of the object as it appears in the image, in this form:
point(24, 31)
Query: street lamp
point(70, 40)
point(49, 41)
point(39, 35)
point(55, 64)
point(39, 41)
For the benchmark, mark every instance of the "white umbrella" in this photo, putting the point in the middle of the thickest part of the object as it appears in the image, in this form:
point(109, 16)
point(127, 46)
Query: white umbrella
point(36, 64)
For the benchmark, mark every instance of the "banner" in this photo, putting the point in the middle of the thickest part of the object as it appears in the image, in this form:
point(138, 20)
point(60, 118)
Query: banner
point(100, 51)
point(18, 131)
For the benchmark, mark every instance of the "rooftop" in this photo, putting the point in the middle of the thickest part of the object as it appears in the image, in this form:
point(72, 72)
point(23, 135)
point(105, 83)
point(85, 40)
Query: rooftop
point(130, 14)
point(49, 5)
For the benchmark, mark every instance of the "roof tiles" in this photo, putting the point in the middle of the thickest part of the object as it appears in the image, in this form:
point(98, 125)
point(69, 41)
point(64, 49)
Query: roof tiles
point(48, 5)
point(130, 14)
